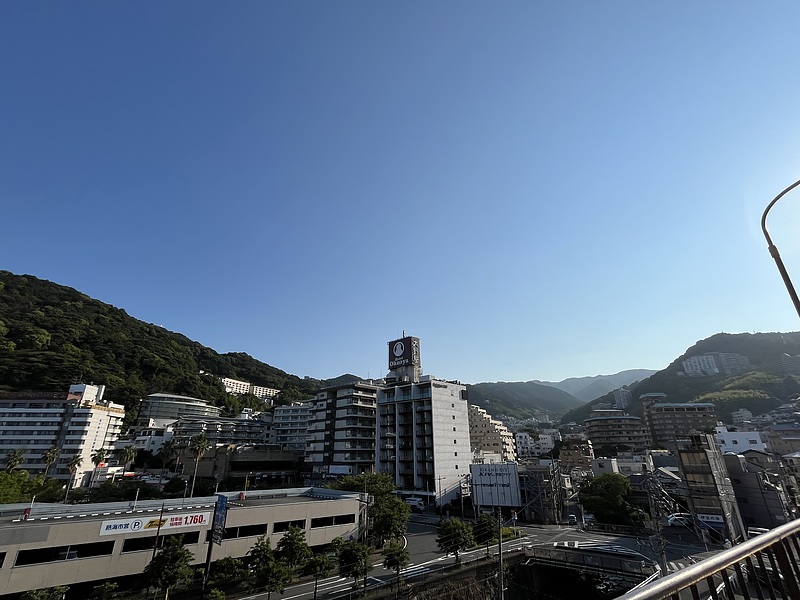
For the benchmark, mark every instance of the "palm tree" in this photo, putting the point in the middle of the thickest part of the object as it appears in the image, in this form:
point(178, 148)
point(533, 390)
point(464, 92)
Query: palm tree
point(198, 446)
point(14, 459)
point(128, 455)
point(72, 466)
point(50, 457)
point(98, 458)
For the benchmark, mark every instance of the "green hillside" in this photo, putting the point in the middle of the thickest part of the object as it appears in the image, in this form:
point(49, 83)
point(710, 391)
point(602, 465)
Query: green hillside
point(760, 390)
point(521, 399)
point(52, 336)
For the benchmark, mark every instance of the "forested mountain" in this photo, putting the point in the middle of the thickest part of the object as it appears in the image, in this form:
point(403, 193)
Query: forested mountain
point(590, 388)
point(52, 336)
point(521, 399)
point(763, 388)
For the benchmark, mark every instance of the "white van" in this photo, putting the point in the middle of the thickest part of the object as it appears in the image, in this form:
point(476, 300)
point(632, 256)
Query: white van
point(416, 504)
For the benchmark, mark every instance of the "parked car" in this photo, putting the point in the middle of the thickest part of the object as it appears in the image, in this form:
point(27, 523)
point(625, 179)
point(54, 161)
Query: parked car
point(572, 520)
point(679, 521)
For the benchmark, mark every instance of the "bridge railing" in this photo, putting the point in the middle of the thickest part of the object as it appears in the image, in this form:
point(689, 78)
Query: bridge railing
point(766, 566)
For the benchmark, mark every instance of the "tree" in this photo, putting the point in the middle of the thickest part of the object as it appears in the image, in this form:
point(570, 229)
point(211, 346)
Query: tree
point(354, 561)
point(14, 459)
point(128, 455)
point(485, 530)
point(53, 593)
point(227, 571)
point(198, 446)
point(268, 573)
point(98, 458)
point(73, 465)
point(172, 566)
point(454, 535)
point(389, 518)
point(216, 594)
point(293, 548)
point(104, 591)
point(606, 497)
point(50, 457)
point(320, 565)
point(395, 558)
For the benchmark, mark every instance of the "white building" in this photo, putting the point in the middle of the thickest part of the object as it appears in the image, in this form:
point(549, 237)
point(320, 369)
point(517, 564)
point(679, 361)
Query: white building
point(170, 407)
point(741, 416)
point(489, 434)
point(738, 441)
point(290, 426)
point(423, 437)
point(702, 365)
point(523, 441)
point(78, 423)
point(236, 386)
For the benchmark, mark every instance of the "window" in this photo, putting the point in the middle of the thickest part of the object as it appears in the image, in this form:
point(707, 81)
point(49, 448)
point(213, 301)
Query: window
point(59, 553)
point(284, 525)
point(455, 453)
point(454, 428)
point(454, 417)
point(455, 441)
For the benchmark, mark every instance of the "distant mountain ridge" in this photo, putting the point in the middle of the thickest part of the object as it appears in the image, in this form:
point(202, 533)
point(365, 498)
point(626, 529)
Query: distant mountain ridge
point(591, 388)
point(761, 389)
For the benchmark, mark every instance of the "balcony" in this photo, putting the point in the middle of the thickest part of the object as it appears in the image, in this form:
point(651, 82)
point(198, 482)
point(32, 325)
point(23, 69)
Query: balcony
point(762, 567)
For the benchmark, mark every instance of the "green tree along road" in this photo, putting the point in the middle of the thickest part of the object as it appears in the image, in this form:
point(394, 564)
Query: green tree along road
point(396, 558)
point(454, 536)
point(353, 561)
point(170, 567)
point(293, 548)
point(606, 497)
point(320, 565)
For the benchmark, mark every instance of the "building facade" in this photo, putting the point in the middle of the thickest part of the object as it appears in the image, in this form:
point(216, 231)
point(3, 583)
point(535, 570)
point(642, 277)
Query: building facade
point(341, 431)
point(489, 434)
point(672, 424)
point(169, 407)
point(78, 423)
point(423, 428)
point(290, 426)
point(615, 429)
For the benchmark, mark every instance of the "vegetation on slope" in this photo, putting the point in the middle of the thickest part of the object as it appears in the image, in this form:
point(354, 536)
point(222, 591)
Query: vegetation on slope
point(52, 336)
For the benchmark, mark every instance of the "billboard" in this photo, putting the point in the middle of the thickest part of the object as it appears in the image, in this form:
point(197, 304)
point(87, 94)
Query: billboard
point(404, 352)
point(135, 525)
point(495, 484)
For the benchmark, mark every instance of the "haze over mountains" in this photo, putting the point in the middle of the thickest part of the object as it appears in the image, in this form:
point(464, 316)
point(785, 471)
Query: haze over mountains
point(52, 336)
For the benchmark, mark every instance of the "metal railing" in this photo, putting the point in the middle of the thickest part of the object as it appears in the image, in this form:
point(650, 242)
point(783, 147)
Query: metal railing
point(765, 566)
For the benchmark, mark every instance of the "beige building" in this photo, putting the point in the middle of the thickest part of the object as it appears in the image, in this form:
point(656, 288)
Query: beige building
point(489, 434)
point(614, 428)
point(673, 424)
point(65, 545)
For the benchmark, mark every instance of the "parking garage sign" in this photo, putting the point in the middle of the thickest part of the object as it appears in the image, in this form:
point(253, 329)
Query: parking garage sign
point(122, 526)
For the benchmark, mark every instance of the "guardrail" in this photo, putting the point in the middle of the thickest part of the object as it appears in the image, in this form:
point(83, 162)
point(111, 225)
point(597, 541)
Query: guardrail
point(767, 566)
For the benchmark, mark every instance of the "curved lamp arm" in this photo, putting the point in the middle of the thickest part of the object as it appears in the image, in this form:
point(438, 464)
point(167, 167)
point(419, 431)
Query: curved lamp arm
point(773, 250)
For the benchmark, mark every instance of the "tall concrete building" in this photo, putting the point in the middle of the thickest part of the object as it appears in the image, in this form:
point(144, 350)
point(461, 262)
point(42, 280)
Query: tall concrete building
point(290, 426)
point(423, 428)
point(672, 424)
point(341, 431)
point(489, 434)
point(615, 428)
point(77, 422)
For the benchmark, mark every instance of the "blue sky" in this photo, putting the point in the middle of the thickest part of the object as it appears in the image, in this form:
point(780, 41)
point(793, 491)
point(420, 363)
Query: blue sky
point(536, 190)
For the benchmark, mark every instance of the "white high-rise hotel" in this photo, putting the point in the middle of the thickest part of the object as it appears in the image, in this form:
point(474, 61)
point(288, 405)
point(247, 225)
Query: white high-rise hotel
point(423, 428)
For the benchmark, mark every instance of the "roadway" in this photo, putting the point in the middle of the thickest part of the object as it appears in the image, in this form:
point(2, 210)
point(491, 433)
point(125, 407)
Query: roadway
point(426, 558)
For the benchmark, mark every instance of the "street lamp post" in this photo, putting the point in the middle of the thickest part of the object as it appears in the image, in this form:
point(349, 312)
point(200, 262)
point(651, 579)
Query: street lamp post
point(773, 250)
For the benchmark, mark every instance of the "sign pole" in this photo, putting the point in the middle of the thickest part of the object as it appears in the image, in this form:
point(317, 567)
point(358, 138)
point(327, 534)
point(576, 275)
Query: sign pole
point(217, 531)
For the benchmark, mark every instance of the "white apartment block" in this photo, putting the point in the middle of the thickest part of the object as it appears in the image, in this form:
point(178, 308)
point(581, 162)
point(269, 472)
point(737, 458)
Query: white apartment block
point(236, 386)
point(290, 426)
point(545, 442)
point(701, 365)
point(78, 422)
point(170, 407)
point(741, 416)
point(523, 442)
point(489, 434)
point(341, 433)
point(738, 441)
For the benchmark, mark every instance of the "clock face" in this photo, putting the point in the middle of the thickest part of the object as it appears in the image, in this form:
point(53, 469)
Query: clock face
point(398, 349)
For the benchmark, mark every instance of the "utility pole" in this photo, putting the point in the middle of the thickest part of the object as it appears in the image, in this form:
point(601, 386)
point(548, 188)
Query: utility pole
point(502, 591)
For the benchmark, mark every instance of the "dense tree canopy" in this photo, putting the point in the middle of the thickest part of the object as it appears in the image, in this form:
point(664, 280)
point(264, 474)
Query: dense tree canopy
point(606, 497)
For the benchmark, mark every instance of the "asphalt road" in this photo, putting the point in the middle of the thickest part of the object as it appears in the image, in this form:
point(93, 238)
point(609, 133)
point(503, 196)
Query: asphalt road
point(426, 557)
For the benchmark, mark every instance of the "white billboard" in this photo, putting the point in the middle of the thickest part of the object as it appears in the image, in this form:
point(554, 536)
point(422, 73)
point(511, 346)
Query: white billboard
point(134, 525)
point(495, 484)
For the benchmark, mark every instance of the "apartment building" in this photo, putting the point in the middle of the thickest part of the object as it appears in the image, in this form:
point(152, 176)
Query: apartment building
point(522, 439)
point(489, 434)
point(78, 422)
point(738, 441)
point(236, 386)
point(290, 426)
point(164, 407)
point(341, 431)
point(615, 428)
point(423, 428)
point(220, 431)
point(672, 424)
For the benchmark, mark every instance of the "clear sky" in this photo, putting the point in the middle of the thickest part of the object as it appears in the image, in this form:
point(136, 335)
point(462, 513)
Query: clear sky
point(537, 190)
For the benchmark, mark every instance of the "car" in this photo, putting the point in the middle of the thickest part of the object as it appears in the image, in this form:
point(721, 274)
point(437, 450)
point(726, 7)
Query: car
point(679, 521)
point(572, 520)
